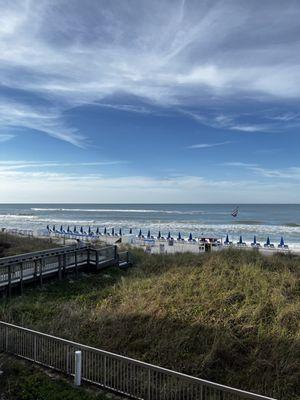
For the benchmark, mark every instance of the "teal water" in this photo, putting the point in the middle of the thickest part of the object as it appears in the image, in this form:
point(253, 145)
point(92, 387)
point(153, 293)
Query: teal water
point(200, 219)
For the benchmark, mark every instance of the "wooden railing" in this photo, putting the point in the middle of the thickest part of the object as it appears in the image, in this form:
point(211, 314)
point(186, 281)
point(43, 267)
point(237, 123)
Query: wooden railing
point(123, 375)
point(36, 266)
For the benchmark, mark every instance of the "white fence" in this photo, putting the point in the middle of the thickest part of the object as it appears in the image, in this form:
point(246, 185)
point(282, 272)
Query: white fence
point(135, 379)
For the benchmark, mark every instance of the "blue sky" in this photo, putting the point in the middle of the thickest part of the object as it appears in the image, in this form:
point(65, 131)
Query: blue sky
point(138, 101)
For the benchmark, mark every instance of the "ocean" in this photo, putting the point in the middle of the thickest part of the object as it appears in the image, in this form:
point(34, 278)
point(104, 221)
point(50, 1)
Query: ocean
point(200, 219)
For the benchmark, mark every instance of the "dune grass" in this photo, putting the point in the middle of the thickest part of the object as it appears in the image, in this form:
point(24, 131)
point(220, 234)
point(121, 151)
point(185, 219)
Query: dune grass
point(231, 317)
point(12, 244)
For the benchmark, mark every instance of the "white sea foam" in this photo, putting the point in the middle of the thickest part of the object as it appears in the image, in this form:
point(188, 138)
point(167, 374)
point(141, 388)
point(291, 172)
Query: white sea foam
point(120, 210)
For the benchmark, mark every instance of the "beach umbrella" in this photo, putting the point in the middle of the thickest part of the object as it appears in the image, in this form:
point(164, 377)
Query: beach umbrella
point(97, 230)
point(81, 229)
point(268, 241)
point(241, 240)
point(105, 231)
point(254, 239)
point(113, 231)
point(227, 239)
point(281, 242)
point(179, 236)
point(190, 237)
point(120, 231)
point(159, 235)
point(140, 233)
point(169, 235)
point(130, 231)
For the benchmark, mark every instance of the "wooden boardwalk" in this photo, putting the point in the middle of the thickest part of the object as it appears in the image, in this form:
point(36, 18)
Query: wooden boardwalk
point(35, 267)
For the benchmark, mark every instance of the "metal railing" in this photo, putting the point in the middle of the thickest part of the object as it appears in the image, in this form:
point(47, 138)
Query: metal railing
point(122, 375)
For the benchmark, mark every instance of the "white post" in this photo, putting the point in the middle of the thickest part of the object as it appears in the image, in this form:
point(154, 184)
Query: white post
point(77, 376)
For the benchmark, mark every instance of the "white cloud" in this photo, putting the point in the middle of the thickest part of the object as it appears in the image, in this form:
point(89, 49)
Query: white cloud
point(207, 145)
point(48, 187)
point(291, 173)
point(16, 165)
point(174, 53)
point(239, 164)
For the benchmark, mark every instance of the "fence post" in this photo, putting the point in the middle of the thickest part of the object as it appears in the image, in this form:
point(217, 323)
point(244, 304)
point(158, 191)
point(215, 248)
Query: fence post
point(9, 280)
point(76, 264)
point(6, 338)
point(35, 272)
point(97, 259)
point(88, 258)
point(77, 375)
point(64, 264)
point(34, 348)
point(41, 271)
point(21, 277)
point(59, 267)
point(149, 385)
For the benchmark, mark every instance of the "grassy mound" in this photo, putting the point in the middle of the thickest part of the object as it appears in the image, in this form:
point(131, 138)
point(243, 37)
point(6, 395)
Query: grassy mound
point(231, 317)
point(11, 244)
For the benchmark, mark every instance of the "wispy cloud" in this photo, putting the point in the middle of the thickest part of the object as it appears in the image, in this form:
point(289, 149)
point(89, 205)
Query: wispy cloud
point(5, 137)
point(173, 53)
point(41, 118)
point(207, 145)
point(49, 186)
point(291, 173)
point(239, 164)
point(227, 122)
point(17, 165)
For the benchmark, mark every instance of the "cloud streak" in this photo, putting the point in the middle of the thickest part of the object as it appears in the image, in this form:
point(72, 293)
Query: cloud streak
point(170, 53)
point(208, 145)
point(5, 137)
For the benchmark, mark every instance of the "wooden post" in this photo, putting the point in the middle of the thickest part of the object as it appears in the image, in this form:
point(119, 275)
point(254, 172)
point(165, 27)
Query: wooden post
point(88, 258)
point(41, 272)
point(9, 280)
point(97, 259)
point(76, 264)
point(21, 278)
point(35, 272)
point(64, 264)
point(59, 267)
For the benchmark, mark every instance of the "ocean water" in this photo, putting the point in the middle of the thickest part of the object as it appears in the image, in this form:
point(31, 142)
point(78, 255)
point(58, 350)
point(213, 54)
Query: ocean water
point(200, 219)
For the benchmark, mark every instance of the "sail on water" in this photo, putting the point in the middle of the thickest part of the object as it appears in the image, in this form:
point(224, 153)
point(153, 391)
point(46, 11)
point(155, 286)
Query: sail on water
point(235, 212)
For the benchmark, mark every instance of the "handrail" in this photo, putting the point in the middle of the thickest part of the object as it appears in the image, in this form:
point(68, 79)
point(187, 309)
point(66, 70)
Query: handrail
point(181, 379)
point(41, 253)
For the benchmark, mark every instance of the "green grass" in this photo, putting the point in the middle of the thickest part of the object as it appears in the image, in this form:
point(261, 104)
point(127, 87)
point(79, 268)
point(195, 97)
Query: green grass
point(11, 244)
point(231, 317)
point(21, 381)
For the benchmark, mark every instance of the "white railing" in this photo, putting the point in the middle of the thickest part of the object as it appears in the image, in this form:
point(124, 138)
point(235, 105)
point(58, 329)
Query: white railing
point(120, 374)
